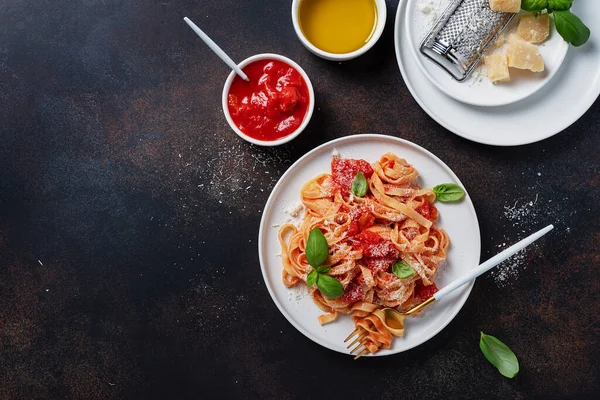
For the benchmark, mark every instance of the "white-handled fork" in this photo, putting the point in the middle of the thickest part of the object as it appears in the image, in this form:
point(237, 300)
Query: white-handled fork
point(394, 319)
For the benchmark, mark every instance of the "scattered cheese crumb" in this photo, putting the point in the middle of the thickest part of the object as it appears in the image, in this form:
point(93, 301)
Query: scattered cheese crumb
point(428, 9)
point(294, 209)
point(500, 40)
point(296, 212)
point(335, 152)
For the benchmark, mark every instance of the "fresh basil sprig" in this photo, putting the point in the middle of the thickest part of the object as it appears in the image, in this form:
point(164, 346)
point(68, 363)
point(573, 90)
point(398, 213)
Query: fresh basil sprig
point(359, 185)
point(316, 254)
point(499, 355)
point(316, 248)
point(312, 277)
point(568, 25)
point(402, 270)
point(559, 5)
point(448, 192)
point(323, 269)
point(534, 5)
point(330, 286)
point(571, 28)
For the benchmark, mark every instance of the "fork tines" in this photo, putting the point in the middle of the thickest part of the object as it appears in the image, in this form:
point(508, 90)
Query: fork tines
point(360, 334)
point(357, 330)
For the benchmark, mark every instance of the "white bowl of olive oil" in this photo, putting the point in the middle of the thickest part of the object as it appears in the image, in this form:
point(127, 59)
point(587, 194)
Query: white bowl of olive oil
point(339, 30)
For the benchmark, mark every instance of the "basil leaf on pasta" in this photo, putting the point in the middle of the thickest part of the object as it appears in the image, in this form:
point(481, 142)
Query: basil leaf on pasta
point(316, 248)
point(499, 355)
point(359, 185)
point(402, 270)
point(329, 286)
point(312, 278)
point(323, 269)
point(447, 192)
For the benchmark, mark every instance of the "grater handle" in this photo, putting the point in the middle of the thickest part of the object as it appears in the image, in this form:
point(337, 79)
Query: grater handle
point(445, 57)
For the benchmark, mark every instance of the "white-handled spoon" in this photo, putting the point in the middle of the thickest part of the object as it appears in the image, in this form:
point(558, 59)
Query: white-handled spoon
point(218, 51)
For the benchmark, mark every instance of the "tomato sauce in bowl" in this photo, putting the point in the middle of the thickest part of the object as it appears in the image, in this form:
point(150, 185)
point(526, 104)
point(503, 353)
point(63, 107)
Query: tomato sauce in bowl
point(275, 104)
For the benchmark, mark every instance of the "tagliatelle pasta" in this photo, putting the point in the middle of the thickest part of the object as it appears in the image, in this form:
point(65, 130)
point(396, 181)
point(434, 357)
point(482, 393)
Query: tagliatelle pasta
point(366, 236)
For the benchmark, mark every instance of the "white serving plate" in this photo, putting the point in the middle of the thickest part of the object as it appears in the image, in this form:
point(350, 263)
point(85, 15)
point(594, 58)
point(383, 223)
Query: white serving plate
point(458, 220)
point(549, 111)
point(478, 90)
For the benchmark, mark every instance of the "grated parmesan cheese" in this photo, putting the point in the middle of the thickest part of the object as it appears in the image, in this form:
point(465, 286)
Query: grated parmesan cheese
point(294, 209)
point(429, 9)
point(296, 212)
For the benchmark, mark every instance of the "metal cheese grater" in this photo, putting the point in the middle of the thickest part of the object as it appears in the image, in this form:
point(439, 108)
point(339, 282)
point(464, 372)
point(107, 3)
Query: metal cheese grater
point(459, 38)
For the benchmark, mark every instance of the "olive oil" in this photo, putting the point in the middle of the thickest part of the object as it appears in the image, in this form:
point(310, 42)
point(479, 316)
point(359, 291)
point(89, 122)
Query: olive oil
point(338, 26)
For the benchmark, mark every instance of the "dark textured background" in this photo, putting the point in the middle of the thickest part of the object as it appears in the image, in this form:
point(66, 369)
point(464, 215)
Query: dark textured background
point(129, 214)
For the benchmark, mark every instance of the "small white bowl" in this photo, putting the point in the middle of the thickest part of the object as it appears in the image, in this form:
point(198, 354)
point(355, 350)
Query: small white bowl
point(381, 17)
point(309, 111)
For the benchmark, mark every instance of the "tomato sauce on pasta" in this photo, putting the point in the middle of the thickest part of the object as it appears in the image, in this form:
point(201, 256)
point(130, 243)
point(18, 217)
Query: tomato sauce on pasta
point(394, 221)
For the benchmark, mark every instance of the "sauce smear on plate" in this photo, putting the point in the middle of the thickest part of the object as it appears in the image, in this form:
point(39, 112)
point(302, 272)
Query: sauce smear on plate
point(273, 104)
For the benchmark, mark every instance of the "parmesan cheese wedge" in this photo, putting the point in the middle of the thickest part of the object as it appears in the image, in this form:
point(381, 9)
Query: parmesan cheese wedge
point(532, 29)
point(497, 68)
point(510, 6)
point(500, 40)
point(524, 55)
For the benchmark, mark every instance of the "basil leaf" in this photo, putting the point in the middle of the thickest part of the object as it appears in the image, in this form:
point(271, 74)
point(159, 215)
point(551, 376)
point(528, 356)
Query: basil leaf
point(570, 27)
point(330, 287)
point(499, 355)
point(402, 270)
point(448, 192)
point(323, 269)
point(312, 277)
point(559, 5)
point(359, 185)
point(534, 5)
point(316, 248)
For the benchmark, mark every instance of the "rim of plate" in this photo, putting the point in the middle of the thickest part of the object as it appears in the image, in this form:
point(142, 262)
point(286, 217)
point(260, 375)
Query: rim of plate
point(272, 198)
point(419, 60)
point(557, 127)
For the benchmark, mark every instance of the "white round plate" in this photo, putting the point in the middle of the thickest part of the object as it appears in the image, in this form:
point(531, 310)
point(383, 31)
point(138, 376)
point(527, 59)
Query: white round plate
point(478, 90)
point(458, 220)
point(547, 112)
